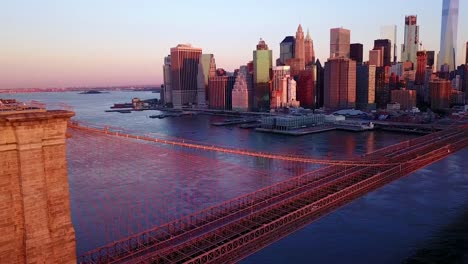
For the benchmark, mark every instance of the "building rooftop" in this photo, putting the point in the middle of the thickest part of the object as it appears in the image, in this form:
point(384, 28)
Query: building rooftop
point(288, 39)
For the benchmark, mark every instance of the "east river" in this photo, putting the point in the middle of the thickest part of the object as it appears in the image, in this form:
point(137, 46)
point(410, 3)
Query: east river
point(390, 225)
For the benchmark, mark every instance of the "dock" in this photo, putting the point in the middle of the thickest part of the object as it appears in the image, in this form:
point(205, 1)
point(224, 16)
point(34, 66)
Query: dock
point(316, 129)
point(298, 132)
point(231, 122)
point(174, 114)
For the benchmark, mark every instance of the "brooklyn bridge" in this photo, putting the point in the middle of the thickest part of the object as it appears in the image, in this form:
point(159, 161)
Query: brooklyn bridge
point(188, 227)
point(231, 230)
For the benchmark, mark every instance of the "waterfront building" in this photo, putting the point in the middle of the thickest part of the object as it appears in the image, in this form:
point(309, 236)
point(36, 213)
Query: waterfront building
point(375, 57)
point(406, 98)
point(421, 67)
point(299, 50)
point(278, 90)
point(365, 87)
point(184, 71)
point(240, 91)
point(390, 32)
point(439, 93)
point(283, 88)
point(386, 45)
point(382, 89)
point(287, 49)
point(340, 42)
point(262, 64)
point(448, 35)
point(291, 122)
point(340, 83)
point(206, 69)
point(319, 84)
point(220, 90)
point(167, 76)
point(356, 52)
point(291, 100)
point(309, 52)
point(306, 87)
point(411, 40)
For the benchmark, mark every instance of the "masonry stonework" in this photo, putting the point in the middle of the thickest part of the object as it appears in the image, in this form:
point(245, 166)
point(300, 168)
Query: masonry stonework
point(35, 219)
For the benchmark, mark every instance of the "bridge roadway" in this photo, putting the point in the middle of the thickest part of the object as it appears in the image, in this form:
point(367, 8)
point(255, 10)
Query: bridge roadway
point(222, 233)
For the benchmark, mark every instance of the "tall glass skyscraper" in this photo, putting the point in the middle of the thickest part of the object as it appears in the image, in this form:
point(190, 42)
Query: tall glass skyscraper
point(411, 42)
point(339, 42)
point(448, 34)
point(262, 64)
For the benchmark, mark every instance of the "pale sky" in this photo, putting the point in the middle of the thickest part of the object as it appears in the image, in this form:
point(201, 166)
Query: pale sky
point(115, 42)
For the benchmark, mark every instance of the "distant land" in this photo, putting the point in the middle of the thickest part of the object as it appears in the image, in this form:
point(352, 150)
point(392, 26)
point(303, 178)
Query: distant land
point(82, 89)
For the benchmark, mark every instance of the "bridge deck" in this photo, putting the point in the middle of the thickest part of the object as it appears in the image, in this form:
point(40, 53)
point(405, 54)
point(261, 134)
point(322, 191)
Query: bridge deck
point(209, 234)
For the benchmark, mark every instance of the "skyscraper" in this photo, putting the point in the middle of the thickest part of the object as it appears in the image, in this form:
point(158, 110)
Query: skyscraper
point(339, 42)
point(356, 52)
point(278, 90)
point(439, 93)
point(283, 90)
point(306, 87)
point(375, 57)
point(206, 69)
point(390, 32)
point(220, 90)
point(319, 83)
point(410, 46)
point(240, 92)
point(466, 59)
point(382, 89)
point(365, 87)
point(167, 80)
point(262, 62)
point(448, 34)
point(430, 58)
point(386, 44)
point(421, 67)
point(406, 98)
point(287, 49)
point(340, 83)
point(299, 50)
point(184, 70)
point(309, 50)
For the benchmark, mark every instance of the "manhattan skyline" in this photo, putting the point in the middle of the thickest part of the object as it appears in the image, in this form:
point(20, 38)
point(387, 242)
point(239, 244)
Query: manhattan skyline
point(47, 44)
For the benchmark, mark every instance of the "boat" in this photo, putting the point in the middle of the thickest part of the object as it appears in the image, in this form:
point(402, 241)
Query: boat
point(91, 92)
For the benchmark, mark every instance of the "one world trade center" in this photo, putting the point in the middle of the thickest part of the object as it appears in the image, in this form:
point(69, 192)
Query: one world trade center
point(448, 35)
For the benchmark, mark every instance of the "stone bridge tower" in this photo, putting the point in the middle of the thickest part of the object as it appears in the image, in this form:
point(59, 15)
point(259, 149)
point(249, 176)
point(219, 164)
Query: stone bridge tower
point(35, 219)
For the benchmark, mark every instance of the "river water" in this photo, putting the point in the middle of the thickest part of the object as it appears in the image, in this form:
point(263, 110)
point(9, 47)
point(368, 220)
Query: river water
point(386, 226)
